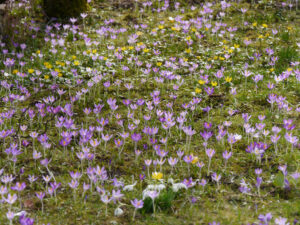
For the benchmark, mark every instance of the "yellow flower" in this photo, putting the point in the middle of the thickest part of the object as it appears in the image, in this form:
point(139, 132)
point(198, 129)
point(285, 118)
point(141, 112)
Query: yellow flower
point(146, 50)
point(46, 77)
point(195, 160)
point(185, 59)
point(224, 41)
point(88, 52)
point(175, 28)
point(130, 47)
point(216, 57)
point(59, 74)
point(157, 175)
point(236, 46)
point(221, 58)
point(198, 90)
point(94, 51)
point(160, 27)
point(193, 29)
point(198, 57)
point(188, 38)
point(38, 52)
point(260, 37)
point(254, 24)
point(139, 33)
point(105, 58)
point(188, 50)
point(228, 79)
point(15, 71)
point(265, 25)
point(289, 69)
point(47, 65)
point(30, 71)
point(159, 63)
point(74, 57)
point(201, 82)
point(213, 83)
point(272, 69)
point(140, 43)
point(76, 63)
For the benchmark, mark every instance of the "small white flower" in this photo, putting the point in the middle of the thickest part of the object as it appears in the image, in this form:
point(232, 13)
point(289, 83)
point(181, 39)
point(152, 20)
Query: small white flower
point(118, 212)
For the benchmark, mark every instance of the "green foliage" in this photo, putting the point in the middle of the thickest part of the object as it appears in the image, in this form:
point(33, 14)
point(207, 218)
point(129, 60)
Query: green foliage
point(163, 202)
point(285, 37)
point(285, 56)
point(64, 9)
point(279, 180)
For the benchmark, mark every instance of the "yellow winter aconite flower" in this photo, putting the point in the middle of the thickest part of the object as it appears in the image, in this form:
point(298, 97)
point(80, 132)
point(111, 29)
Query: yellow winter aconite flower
point(188, 38)
point(76, 63)
point(159, 63)
point(188, 50)
point(46, 77)
point(175, 28)
point(94, 51)
point(140, 43)
point(47, 65)
point(88, 52)
point(260, 37)
point(213, 83)
point(59, 74)
point(185, 59)
point(15, 71)
point(74, 57)
point(30, 71)
point(139, 33)
point(272, 69)
point(228, 79)
point(265, 25)
point(38, 52)
point(195, 160)
point(236, 46)
point(201, 82)
point(254, 24)
point(198, 90)
point(146, 50)
point(289, 69)
point(130, 47)
point(161, 27)
point(157, 175)
point(216, 57)
point(221, 58)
